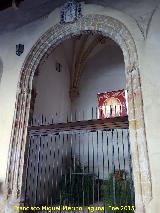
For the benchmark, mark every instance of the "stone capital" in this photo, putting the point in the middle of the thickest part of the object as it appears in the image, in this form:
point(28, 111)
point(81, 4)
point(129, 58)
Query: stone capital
point(74, 93)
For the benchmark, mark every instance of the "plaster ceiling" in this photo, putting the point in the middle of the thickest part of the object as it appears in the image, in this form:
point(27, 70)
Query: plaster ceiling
point(30, 10)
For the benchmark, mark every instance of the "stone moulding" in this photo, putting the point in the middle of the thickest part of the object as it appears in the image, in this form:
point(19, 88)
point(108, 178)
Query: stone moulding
point(108, 27)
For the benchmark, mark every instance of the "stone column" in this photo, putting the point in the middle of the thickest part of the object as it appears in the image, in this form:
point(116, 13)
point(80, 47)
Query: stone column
point(139, 152)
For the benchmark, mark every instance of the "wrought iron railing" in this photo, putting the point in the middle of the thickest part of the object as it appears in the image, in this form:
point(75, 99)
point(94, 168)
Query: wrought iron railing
point(93, 113)
point(81, 163)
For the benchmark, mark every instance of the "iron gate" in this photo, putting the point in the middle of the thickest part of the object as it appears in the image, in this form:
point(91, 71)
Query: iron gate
point(80, 168)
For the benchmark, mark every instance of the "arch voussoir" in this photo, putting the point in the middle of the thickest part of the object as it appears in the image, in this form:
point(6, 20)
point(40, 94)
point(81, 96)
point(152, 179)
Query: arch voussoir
point(114, 29)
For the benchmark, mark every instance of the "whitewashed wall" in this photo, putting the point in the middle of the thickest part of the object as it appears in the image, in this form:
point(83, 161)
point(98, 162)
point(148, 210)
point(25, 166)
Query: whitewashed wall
point(52, 88)
point(147, 50)
point(151, 94)
point(12, 64)
point(104, 72)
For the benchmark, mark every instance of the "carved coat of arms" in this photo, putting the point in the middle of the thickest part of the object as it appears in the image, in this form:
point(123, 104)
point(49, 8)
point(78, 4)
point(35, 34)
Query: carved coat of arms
point(70, 12)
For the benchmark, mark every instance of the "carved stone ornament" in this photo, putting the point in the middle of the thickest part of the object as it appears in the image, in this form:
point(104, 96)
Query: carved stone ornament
point(70, 12)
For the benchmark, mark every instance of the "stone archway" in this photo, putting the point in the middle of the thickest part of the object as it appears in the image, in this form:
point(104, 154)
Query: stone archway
point(114, 29)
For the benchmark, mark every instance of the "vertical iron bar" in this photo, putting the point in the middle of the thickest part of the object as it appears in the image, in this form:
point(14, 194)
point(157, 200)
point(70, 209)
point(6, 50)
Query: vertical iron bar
point(130, 169)
point(56, 118)
point(53, 171)
point(110, 110)
point(96, 113)
point(45, 120)
point(49, 173)
point(52, 180)
point(83, 115)
point(75, 116)
point(52, 120)
point(49, 119)
point(40, 178)
point(79, 148)
point(51, 147)
point(34, 174)
point(92, 113)
point(47, 168)
point(57, 163)
point(119, 166)
point(93, 167)
point(83, 175)
point(71, 117)
point(108, 161)
point(124, 160)
point(42, 120)
point(74, 162)
point(113, 168)
point(38, 121)
point(120, 110)
point(41, 175)
point(67, 118)
point(98, 164)
point(66, 154)
point(35, 121)
point(71, 158)
point(108, 164)
point(88, 166)
point(30, 174)
point(62, 165)
point(126, 175)
point(59, 167)
point(79, 164)
point(103, 152)
point(31, 124)
point(115, 112)
point(37, 175)
point(103, 163)
point(74, 156)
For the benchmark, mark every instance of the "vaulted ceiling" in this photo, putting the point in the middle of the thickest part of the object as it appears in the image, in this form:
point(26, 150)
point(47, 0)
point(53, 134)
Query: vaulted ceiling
point(4, 4)
point(30, 10)
point(82, 49)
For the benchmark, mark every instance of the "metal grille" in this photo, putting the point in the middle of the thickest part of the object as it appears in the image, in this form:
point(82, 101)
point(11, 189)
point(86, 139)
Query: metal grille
point(80, 168)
